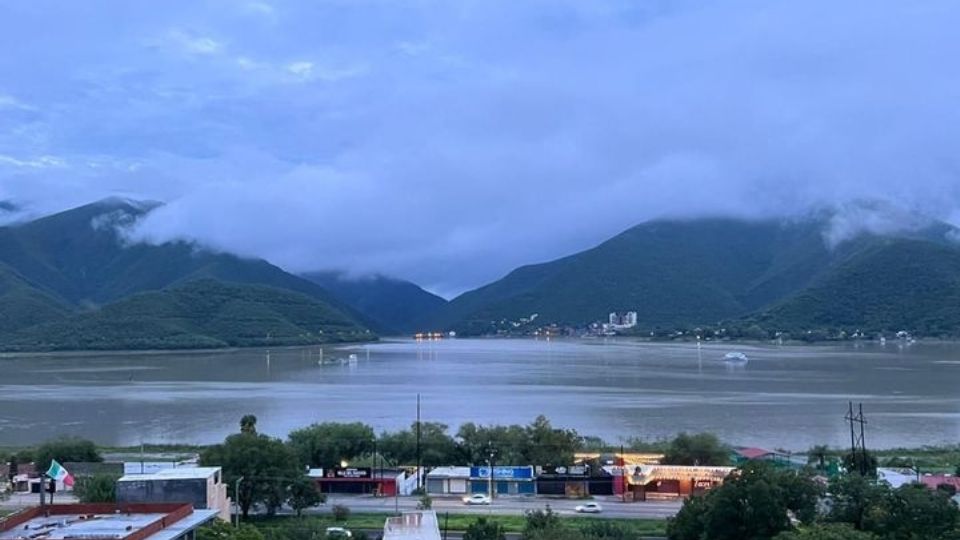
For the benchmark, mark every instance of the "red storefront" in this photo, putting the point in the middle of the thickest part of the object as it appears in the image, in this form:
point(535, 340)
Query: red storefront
point(358, 480)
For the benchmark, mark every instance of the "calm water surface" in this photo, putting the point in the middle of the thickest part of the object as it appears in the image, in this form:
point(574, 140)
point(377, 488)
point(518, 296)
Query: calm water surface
point(789, 396)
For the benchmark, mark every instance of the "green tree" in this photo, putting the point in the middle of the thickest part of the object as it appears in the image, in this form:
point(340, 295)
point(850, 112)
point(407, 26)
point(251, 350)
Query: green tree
point(853, 461)
point(248, 424)
point(221, 530)
point(546, 445)
point(829, 531)
point(753, 504)
point(817, 456)
point(302, 494)
point(99, 488)
point(266, 465)
point(853, 499)
point(329, 443)
point(484, 529)
point(914, 512)
point(696, 449)
point(66, 449)
point(541, 524)
point(508, 443)
point(437, 447)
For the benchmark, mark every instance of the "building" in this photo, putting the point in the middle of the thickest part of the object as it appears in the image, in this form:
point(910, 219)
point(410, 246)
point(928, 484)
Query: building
point(933, 481)
point(107, 521)
point(671, 481)
point(380, 482)
point(575, 481)
point(412, 526)
point(504, 480)
point(202, 487)
point(448, 481)
point(743, 455)
point(896, 477)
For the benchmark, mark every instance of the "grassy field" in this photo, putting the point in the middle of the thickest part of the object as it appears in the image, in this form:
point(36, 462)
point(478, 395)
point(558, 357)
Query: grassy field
point(452, 522)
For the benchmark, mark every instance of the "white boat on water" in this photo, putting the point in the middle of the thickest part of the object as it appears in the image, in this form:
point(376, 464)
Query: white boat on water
point(735, 358)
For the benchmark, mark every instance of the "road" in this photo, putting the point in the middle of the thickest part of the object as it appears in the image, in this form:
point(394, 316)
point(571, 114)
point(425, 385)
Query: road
point(612, 506)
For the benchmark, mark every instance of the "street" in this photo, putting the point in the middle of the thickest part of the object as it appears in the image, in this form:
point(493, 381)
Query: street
point(612, 506)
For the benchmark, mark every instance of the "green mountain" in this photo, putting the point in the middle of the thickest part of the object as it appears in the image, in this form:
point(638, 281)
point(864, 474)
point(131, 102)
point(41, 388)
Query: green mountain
point(79, 261)
point(197, 314)
point(394, 306)
point(672, 273)
point(890, 285)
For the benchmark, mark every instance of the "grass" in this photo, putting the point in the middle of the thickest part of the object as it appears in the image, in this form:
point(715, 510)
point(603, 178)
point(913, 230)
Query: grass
point(452, 522)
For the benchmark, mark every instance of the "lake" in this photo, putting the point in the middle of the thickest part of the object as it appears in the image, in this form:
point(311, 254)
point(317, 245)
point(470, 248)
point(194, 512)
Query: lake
point(786, 396)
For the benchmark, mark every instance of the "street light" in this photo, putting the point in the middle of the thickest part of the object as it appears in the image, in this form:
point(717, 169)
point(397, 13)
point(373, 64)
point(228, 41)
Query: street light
point(236, 495)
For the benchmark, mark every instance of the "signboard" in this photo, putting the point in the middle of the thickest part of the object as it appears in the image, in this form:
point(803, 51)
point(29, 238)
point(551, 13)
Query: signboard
point(503, 473)
point(559, 470)
point(353, 472)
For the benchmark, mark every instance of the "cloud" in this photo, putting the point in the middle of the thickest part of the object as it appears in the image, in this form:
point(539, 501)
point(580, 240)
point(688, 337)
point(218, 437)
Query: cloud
point(451, 142)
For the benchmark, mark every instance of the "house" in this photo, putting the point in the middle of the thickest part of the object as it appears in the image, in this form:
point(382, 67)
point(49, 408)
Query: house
point(202, 487)
point(158, 521)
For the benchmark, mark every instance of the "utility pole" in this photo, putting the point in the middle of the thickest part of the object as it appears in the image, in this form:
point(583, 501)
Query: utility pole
point(419, 470)
point(857, 443)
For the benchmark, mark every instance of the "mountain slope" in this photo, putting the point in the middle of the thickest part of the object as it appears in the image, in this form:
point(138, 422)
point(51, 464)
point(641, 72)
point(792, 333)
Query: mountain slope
point(23, 305)
point(671, 272)
point(894, 284)
point(82, 257)
point(198, 314)
point(393, 305)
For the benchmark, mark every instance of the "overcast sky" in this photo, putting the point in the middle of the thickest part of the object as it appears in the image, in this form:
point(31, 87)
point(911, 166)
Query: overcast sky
point(449, 141)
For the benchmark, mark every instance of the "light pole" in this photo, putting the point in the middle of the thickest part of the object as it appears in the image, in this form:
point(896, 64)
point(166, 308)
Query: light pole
point(236, 494)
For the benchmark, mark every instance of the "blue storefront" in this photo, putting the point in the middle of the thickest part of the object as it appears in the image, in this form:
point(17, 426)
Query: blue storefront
point(506, 480)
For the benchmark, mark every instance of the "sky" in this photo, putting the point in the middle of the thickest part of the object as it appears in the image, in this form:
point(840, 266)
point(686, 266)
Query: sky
point(448, 142)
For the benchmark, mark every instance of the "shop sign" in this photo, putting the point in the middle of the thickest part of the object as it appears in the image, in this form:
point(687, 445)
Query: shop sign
point(353, 472)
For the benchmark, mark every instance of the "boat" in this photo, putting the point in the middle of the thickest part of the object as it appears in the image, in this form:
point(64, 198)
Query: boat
point(735, 358)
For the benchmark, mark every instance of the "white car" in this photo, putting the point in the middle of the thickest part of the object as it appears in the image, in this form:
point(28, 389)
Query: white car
point(477, 498)
point(338, 532)
point(589, 508)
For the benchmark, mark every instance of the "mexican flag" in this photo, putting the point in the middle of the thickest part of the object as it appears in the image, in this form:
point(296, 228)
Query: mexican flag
point(58, 473)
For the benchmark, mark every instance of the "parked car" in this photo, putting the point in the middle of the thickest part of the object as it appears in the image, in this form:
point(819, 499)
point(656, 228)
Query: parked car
point(589, 508)
point(477, 498)
point(338, 532)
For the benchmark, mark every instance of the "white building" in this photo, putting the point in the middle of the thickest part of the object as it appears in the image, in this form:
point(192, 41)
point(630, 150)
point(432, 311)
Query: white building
point(412, 526)
point(620, 320)
point(203, 487)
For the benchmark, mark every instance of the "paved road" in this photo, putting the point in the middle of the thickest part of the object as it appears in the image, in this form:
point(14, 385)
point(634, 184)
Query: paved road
point(612, 507)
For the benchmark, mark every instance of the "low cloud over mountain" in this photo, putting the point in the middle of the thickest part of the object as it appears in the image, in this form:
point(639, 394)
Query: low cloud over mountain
point(447, 143)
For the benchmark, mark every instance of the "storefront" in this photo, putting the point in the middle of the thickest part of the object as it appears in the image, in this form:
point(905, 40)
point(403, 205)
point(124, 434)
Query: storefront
point(358, 480)
point(574, 481)
point(672, 481)
point(506, 480)
point(448, 481)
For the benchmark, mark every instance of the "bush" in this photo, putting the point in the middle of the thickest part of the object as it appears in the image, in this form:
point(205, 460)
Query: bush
point(483, 529)
point(100, 488)
point(425, 502)
point(340, 512)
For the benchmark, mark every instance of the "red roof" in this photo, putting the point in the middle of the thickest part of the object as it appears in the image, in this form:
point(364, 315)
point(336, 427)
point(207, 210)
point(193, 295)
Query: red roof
point(754, 453)
point(934, 480)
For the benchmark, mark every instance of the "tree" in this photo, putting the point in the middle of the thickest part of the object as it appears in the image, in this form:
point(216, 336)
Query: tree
point(541, 524)
point(330, 443)
point(267, 466)
point(829, 531)
point(302, 494)
point(508, 443)
point(697, 449)
point(547, 445)
point(861, 463)
point(484, 529)
point(99, 488)
point(248, 424)
point(817, 455)
point(221, 530)
point(753, 503)
point(66, 449)
point(914, 512)
point(436, 446)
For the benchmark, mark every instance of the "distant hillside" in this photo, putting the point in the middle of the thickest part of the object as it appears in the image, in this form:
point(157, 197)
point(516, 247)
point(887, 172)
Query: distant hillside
point(892, 285)
point(79, 260)
point(394, 306)
point(671, 272)
point(199, 314)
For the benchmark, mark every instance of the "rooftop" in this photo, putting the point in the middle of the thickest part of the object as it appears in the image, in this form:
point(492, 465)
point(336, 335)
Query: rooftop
point(412, 526)
point(104, 522)
point(181, 473)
